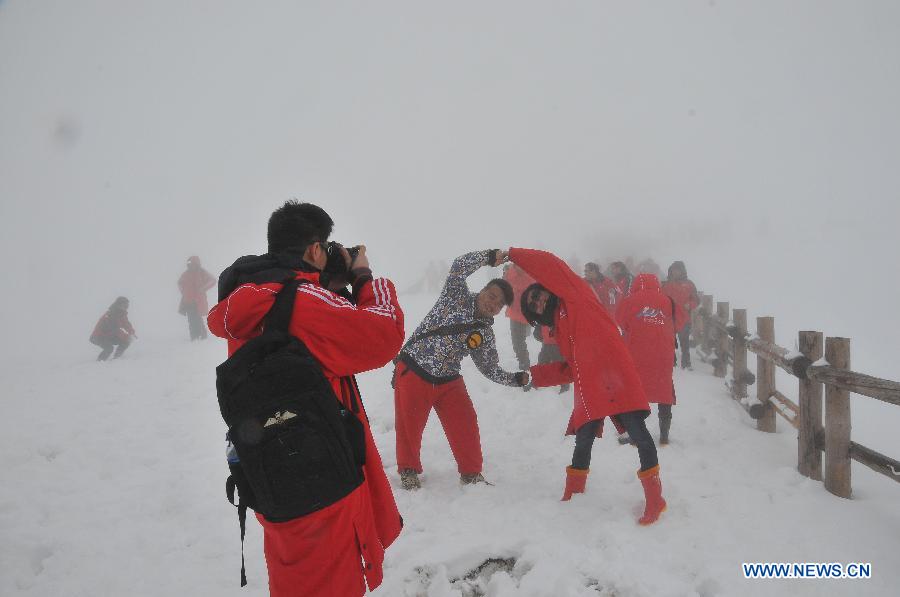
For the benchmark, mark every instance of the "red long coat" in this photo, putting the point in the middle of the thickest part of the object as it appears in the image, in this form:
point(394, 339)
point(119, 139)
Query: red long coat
point(519, 281)
point(318, 555)
point(648, 323)
point(194, 283)
point(596, 360)
point(684, 293)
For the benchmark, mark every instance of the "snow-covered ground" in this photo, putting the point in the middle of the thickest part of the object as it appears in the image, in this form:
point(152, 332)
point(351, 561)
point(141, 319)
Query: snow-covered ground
point(114, 474)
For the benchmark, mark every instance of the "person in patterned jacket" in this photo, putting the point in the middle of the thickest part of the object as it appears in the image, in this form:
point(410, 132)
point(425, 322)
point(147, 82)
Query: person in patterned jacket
point(427, 373)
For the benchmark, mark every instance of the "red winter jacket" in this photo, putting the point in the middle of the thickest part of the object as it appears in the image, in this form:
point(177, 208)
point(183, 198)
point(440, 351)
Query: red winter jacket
point(596, 360)
point(113, 325)
point(684, 293)
point(193, 284)
point(648, 323)
point(607, 293)
point(519, 281)
point(302, 554)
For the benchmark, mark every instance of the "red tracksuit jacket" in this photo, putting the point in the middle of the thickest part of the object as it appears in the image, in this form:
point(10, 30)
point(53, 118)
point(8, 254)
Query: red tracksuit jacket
point(319, 554)
point(596, 360)
point(648, 323)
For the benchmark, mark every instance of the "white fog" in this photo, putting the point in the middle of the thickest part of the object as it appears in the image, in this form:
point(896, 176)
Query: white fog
point(757, 141)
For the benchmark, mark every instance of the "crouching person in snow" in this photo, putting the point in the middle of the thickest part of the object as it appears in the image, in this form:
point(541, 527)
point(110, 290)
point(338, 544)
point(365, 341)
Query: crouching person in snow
point(336, 547)
point(427, 374)
point(113, 330)
point(597, 361)
point(648, 319)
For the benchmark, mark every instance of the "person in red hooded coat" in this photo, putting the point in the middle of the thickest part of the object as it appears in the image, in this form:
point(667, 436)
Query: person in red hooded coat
point(596, 360)
point(648, 320)
point(684, 293)
point(194, 283)
point(338, 550)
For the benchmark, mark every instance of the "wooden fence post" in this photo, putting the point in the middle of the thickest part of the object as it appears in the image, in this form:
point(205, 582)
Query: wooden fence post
point(809, 457)
point(707, 307)
point(765, 376)
point(721, 361)
point(837, 422)
point(739, 367)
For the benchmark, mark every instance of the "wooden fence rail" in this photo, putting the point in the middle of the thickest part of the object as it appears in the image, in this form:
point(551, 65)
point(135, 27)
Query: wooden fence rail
point(722, 340)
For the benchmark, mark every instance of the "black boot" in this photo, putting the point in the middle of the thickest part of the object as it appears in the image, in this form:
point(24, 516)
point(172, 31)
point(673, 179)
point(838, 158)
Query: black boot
point(664, 424)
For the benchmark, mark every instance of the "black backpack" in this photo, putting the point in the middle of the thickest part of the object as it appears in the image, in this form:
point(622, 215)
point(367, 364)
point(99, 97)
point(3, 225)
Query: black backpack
point(298, 449)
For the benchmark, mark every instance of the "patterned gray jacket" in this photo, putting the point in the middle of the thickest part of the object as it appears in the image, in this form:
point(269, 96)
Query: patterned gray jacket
point(436, 357)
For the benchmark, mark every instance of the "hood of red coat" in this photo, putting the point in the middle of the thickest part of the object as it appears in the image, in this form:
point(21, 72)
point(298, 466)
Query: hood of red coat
point(645, 282)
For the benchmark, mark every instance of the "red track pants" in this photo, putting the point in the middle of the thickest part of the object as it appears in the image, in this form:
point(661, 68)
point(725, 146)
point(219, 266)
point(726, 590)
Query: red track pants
point(413, 400)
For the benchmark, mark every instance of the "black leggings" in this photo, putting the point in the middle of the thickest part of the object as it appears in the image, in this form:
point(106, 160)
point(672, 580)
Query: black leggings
point(634, 425)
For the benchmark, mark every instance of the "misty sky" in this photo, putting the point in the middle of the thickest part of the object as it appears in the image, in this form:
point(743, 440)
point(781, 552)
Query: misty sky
point(756, 140)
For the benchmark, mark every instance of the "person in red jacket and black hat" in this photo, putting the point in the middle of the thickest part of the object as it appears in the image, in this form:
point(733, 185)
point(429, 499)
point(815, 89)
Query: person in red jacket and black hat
point(597, 361)
point(648, 320)
point(194, 283)
point(339, 549)
point(684, 293)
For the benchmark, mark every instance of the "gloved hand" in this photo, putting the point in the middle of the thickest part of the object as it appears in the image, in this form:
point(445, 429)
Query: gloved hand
point(523, 379)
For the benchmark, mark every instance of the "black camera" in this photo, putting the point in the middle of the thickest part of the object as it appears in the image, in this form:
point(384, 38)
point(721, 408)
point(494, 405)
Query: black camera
point(336, 264)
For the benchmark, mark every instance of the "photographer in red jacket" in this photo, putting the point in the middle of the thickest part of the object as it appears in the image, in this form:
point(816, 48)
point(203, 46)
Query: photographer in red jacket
point(597, 361)
point(338, 550)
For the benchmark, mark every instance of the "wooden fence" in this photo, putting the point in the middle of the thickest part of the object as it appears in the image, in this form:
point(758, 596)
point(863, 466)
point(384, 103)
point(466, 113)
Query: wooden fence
point(722, 339)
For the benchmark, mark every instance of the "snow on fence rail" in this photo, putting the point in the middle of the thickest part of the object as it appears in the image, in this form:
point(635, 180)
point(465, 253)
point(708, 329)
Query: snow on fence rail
point(722, 340)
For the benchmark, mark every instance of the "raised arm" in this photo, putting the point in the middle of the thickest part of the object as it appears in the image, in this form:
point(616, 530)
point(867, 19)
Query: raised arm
point(552, 273)
point(466, 265)
point(347, 338)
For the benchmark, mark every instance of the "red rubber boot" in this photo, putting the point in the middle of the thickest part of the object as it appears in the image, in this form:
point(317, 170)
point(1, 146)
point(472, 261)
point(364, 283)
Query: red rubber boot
point(655, 504)
point(575, 482)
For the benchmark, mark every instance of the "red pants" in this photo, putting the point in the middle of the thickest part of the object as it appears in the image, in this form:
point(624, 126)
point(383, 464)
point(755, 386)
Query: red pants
point(413, 400)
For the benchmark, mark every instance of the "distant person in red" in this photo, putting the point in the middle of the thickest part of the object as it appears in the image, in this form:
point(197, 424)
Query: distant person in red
point(113, 331)
point(648, 319)
point(518, 325)
point(597, 362)
point(607, 292)
point(194, 283)
point(684, 293)
point(622, 278)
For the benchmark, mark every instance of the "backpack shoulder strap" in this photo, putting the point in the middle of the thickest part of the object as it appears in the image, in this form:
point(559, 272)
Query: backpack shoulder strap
point(278, 319)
